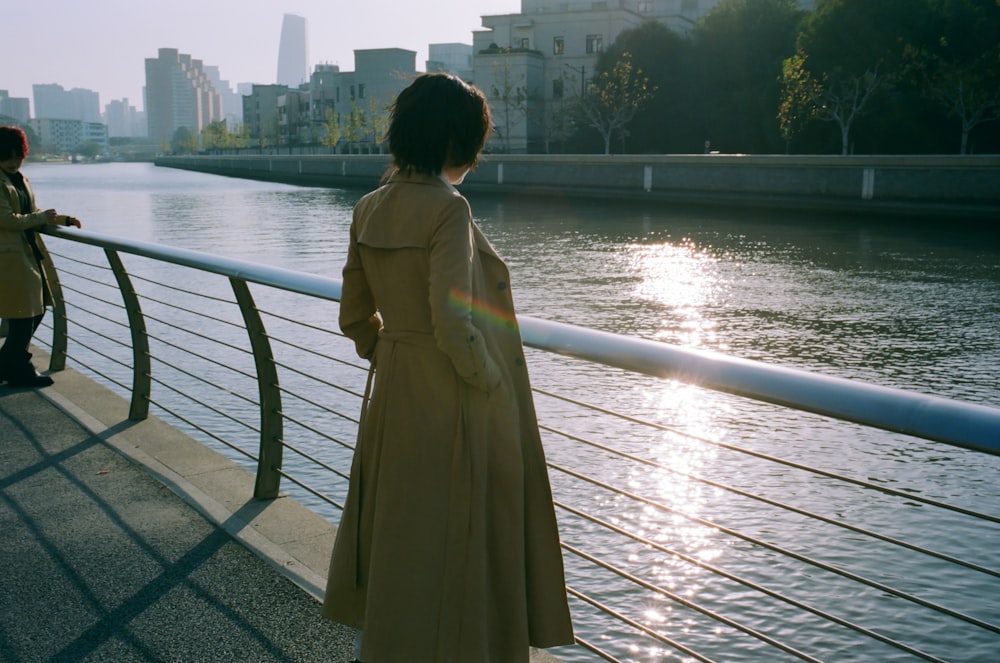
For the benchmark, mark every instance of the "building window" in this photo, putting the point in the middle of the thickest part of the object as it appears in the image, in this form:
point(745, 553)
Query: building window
point(352, 93)
point(361, 90)
point(558, 45)
point(645, 6)
point(557, 88)
point(689, 5)
point(595, 43)
point(524, 43)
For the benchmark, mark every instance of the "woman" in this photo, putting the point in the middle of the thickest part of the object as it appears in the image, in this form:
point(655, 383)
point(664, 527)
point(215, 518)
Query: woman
point(447, 548)
point(23, 290)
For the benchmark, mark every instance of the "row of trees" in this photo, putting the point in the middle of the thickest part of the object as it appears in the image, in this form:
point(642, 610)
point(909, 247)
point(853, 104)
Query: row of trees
point(359, 128)
point(753, 76)
point(763, 76)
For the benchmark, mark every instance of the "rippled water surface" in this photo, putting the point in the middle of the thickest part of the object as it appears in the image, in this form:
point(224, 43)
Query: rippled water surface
point(887, 301)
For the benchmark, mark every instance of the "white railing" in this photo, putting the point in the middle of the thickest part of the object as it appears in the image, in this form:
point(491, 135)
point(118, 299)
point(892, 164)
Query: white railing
point(816, 566)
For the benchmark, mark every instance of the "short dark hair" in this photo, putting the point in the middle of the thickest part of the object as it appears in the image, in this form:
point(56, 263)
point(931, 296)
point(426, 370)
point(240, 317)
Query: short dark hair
point(13, 143)
point(439, 120)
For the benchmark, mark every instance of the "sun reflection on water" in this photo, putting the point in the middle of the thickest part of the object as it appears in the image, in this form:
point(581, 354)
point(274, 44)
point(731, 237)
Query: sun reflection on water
point(685, 279)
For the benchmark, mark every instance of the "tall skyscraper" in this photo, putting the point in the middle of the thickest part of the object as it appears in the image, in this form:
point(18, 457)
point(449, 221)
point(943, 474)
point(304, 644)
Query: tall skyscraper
point(179, 94)
point(53, 102)
point(293, 52)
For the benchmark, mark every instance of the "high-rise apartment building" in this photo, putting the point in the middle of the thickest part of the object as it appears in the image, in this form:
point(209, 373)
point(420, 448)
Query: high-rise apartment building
point(123, 120)
point(53, 102)
point(293, 52)
point(179, 94)
point(16, 107)
point(232, 103)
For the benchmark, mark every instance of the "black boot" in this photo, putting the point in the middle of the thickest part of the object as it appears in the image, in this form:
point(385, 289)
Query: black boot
point(23, 374)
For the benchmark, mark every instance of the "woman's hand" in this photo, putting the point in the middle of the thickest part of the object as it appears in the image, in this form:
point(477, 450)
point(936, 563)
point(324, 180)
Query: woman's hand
point(71, 221)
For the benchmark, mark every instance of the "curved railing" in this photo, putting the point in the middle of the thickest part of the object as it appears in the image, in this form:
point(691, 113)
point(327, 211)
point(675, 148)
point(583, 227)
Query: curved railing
point(163, 320)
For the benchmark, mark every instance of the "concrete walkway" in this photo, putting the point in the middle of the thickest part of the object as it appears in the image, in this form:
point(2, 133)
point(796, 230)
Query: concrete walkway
point(127, 541)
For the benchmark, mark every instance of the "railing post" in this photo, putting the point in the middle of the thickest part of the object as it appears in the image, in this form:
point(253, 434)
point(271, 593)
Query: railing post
point(271, 424)
point(60, 329)
point(142, 371)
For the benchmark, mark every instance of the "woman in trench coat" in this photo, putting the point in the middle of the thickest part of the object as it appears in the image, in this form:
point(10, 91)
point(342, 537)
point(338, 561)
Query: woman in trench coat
point(23, 260)
point(447, 551)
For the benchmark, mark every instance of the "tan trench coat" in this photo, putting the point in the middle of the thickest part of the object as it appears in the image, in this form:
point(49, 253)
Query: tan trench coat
point(447, 549)
point(21, 277)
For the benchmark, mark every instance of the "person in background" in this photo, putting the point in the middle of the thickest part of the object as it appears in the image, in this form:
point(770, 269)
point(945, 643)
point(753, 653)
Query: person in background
point(23, 289)
point(447, 549)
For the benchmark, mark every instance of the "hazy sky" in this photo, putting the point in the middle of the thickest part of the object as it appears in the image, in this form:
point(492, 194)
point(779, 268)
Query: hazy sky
point(102, 45)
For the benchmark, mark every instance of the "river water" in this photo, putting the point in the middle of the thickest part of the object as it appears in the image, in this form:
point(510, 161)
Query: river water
point(914, 305)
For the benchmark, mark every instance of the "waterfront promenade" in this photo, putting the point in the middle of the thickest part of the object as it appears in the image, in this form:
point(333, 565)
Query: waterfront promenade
point(128, 541)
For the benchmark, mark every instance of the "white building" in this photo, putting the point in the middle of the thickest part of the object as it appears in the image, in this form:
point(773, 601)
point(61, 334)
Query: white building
point(453, 58)
point(528, 63)
point(68, 135)
point(379, 75)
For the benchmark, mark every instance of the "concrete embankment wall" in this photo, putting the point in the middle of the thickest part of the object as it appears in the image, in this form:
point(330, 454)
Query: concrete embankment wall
point(966, 187)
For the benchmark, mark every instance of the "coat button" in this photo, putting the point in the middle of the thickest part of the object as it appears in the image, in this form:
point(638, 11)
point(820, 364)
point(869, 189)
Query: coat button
point(502, 285)
point(519, 361)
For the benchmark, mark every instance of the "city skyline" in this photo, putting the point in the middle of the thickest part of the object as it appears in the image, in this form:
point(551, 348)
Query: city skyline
point(103, 47)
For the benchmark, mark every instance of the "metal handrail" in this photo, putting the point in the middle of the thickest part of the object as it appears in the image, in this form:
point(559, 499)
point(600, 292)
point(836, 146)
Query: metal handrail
point(307, 418)
point(968, 425)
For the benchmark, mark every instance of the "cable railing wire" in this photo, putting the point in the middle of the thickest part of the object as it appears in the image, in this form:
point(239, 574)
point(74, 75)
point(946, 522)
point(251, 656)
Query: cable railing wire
point(638, 626)
point(782, 505)
point(908, 495)
point(309, 413)
point(784, 551)
point(722, 573)
point(687, 603)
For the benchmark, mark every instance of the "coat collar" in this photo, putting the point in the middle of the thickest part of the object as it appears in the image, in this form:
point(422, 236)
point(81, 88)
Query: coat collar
point(410, 177)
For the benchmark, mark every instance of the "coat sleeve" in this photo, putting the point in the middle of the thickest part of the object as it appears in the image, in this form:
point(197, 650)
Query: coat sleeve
point(358, 319)
point(452, 251)
point(12, 220)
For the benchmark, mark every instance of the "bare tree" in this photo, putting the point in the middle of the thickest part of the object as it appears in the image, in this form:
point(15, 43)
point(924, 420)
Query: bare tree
point(970, 93)
point(614, 98)
point(509, 99)
point(841, 98)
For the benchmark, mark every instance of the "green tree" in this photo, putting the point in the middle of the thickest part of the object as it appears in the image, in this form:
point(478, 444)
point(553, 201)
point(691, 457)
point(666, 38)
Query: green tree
point(799, 92)
point(331, 129)
point(958, 66)
point(240, 135)
point(215, 135)
point(88, 149)
point(669, 120)
point(614, 98)
point(184, 141)
point(855, 51)
point(353, 128)
point(740, 47)
point(377, 122)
